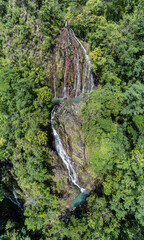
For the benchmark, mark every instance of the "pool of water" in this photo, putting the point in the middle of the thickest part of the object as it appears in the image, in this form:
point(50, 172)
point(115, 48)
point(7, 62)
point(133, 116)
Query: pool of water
point(59, 100)
point(80, 198)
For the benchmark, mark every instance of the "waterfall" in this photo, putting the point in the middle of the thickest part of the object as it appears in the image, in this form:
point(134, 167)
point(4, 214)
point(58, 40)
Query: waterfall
point(65, 74)
point(54, 77)
point(91, 83)
point(78, 77)
point(66, 24)
point(71, 73)
point(63, 155)
point(14, 199)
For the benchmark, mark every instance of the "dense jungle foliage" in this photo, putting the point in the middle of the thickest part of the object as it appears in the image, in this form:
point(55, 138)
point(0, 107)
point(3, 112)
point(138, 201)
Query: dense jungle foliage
point(113, 119)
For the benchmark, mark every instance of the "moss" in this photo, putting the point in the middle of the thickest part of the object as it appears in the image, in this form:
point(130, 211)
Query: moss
point(60, 74)
point(60, 185)
point(75, 137)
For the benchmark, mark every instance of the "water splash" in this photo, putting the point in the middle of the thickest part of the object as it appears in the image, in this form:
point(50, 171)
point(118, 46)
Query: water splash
point(63, 155)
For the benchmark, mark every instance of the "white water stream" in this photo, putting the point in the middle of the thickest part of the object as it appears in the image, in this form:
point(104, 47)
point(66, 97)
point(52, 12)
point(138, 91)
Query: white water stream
point(13, 198)
point(91, 84)
point(63, 155)
point(87, 81)
point(78, 77)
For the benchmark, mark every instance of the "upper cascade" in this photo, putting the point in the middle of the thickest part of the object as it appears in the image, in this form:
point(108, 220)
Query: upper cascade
point(71, 71)
point(66, 24)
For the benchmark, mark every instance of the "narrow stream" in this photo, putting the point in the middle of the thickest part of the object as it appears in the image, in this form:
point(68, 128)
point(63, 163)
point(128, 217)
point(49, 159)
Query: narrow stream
point(13, 198)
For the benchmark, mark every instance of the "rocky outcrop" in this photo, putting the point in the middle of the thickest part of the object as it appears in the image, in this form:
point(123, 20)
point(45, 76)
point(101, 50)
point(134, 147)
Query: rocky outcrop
point(70, 71)
point(68, 123)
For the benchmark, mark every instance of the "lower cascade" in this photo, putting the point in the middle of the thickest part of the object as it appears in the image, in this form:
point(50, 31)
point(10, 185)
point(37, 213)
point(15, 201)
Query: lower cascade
point(63, 155)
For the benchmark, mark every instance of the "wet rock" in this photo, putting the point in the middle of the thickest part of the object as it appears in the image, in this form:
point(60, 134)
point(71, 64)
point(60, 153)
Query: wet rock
point(70, 70)
point(68, 123)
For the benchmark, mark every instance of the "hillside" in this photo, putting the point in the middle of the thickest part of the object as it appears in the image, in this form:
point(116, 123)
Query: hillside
point(92, 50)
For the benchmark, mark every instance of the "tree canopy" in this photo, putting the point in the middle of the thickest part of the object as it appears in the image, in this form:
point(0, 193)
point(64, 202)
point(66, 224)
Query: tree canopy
point(113, 122)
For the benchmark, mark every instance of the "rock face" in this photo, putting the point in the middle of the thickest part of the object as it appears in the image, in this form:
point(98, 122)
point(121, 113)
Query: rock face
point(70, 75)
point(70, 69)
point(68, 124)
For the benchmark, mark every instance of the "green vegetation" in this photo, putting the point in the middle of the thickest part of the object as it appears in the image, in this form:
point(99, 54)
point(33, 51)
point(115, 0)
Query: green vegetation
point(26, 39)
point(113, 122)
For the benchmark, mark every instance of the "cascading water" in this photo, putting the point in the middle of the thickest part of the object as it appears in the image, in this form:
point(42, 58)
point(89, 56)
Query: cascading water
point(54, 77)
point(78, 78)
point(71, 73)
point(13, 198)
point(88, 62)
point(66, 24)
point(65, 76)
point(63, 155)
point(75, 76)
